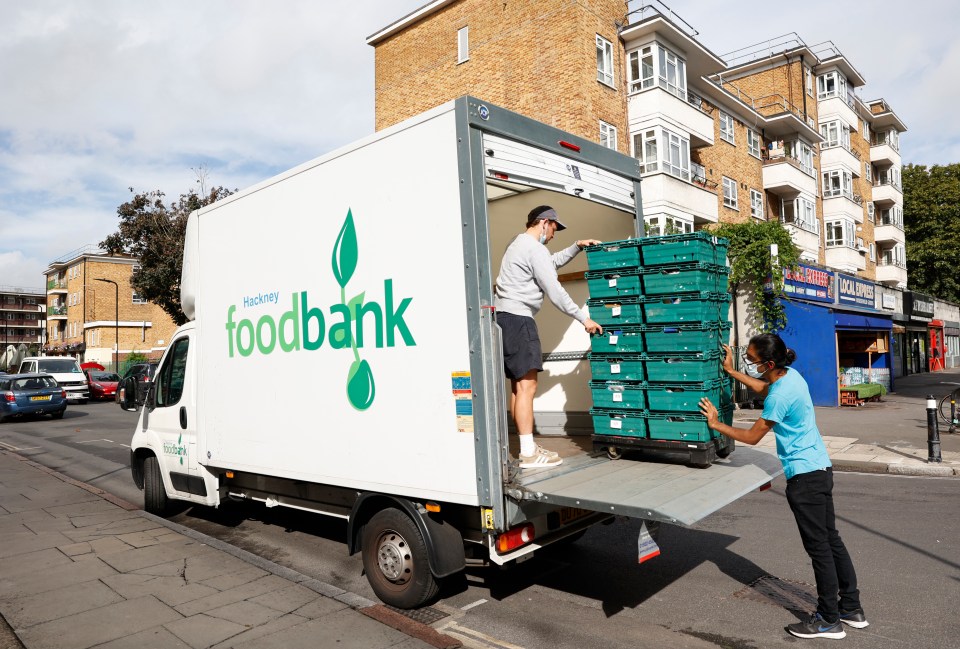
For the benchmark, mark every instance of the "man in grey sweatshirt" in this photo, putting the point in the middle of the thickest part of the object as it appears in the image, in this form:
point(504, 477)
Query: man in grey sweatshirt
point(527, 272)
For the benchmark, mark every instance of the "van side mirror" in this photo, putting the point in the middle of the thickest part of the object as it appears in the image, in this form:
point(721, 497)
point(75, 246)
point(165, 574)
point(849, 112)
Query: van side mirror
point(151, 398)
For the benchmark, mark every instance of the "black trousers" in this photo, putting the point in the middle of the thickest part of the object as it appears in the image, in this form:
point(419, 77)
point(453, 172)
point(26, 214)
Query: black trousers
point(811, 499)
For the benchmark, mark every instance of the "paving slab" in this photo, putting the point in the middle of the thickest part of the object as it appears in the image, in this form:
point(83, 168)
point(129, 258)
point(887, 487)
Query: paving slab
point(32, 583)
point(234, 579)
point(201, 631)
point(287, 600)
point(250, 636)
point(140, 558)
point(27, 611)
point(172, 591)
point(343, 629)
point(155, 638)
point(266, 584)
point(245, 613)
point(32, 562)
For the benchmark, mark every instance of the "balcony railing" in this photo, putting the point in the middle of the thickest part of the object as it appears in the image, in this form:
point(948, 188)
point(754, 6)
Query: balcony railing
point(640, 11)
point(889, 220)
point(813, 228)
point(698, 176)
point(19, 339)
point(892, 262)
point(58, 309)
point(17, 290)
point(20, 323)
point(776, 158)
point(879, 182)
point(844, 145)
point(697, 101)
point(880, 139)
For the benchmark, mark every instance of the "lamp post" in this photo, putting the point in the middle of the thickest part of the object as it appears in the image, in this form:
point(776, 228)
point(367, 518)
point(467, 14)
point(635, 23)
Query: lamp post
point(116, 326)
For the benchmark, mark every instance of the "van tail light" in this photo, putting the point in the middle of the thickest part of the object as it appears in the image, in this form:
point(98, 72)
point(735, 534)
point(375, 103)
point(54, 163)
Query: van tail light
point(9, 396)
point(513, 539)
point(63, 393)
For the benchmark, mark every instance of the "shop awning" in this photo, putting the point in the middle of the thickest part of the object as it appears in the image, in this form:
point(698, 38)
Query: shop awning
point(862, 321)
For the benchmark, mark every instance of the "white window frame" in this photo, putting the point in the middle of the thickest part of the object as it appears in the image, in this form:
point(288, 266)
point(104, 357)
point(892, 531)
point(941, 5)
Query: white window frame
point(671, 225)
point(463, 44)
point(809, 75)
point(873, 252)
point(727, 130)
point(753, 143)
point(645, 150)
point(136, 299)
point(836, 183)
point(605, 61)
point(835, 79)
point(676, 155)
point(866, 130)
point(871, 212)
point(655, 65)
point(804, 215)
point(643, 63)
point(608, 135)
point(756, 204)
point(730, 193)
point(672, 65)
point(868, 171)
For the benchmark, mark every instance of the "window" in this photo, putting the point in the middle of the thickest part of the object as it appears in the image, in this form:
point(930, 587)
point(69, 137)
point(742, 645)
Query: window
point(657, 226)
point(729, 193)
point(641, 69)
point(753, 143)
point(676, 155)
point(726, 128)
point(870, 211)
point(645, 150)
point(831, 84)
point(873, 252)
point(137, 299)
point(835, 133)
point(463, 44)
point(867, 171)
point(837, 183)
point(800, 212)
point(840, 233)
point(673, 73)
point(809, 76)
point(172, 375)
point(866, 130)
point(608, 135)
point(671, 70)
point(604, 61)
point(756, 204)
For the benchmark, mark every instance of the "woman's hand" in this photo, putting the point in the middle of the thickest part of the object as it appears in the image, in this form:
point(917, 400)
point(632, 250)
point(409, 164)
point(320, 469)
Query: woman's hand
point(708, 410)
point(728, 359)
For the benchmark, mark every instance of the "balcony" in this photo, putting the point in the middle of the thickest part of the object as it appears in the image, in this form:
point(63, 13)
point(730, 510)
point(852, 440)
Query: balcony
point(845, 258)
point(887, 193)
point(664, 193)
point(840, 155)
point(10, 340)
point(842, 204)
point(805, 239)
point(21, 323)
point(892, 274)
point(884, 154)
point(685, 114)
point(840, 106)
point(57, 285)
point(785, 176)
point(57, 312)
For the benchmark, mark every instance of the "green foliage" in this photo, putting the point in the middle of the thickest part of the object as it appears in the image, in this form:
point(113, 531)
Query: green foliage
point(931, 219)
point(153, 233)
point(132, 359)
point(750, 263)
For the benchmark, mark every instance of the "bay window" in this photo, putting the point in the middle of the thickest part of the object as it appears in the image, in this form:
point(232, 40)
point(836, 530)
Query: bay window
point(841, 233)
point(835, 133)
point(831, 84)
point(800, 212)
point(674, 152)
point(671, 70)
point(660, 225)
point(837, 183)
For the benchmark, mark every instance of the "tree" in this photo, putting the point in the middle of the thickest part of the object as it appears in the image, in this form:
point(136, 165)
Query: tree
point(153, 233)
point(751, 263)
point(931, 219)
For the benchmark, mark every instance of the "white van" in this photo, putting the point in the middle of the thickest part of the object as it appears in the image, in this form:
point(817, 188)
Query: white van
point(65, 370)
point(342, 354)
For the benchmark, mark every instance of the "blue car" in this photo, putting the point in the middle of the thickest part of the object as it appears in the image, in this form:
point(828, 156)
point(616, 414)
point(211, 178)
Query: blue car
point(31, 394)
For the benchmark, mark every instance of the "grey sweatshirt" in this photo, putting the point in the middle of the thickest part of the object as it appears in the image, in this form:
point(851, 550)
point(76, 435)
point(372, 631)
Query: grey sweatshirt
point(527, 271)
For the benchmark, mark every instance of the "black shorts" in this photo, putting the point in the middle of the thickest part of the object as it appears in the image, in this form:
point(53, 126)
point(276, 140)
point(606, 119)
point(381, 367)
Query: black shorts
point(521, 344)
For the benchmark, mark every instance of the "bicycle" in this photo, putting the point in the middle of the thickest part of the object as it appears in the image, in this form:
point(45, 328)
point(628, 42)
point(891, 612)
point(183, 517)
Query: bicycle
point(945, 409)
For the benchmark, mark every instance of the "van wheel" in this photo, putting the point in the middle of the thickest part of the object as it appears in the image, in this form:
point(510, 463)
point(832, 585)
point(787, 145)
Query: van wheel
point(154, 495)
point(396, 561)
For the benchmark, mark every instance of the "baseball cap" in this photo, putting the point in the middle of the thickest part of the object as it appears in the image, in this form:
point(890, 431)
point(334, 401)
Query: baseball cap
point(551, 215)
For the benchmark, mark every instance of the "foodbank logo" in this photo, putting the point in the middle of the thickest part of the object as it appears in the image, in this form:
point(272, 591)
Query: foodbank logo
point(343, 325)
point(178, 449)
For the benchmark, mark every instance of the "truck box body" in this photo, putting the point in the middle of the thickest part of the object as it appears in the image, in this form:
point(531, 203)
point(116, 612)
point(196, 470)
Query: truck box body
point(343, 347)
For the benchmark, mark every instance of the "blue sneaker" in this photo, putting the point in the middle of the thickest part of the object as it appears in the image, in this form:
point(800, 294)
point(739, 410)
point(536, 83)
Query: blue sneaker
point(817, 627)
point(854, 618)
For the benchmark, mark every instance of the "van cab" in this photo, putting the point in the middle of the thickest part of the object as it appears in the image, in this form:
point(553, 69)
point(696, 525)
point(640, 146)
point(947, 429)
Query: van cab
point(64, 369)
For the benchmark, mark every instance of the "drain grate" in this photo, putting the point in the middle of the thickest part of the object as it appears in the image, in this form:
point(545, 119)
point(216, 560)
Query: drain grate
point(791, 595)
point(426, 615)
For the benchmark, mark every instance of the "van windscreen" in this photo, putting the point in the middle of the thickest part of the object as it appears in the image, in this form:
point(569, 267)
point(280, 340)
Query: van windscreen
point(58, 366)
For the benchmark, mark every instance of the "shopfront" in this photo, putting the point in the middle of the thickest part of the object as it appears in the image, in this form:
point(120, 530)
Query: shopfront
point(864, 349)
point(918, 309)
point(937, 347)
point(809, 330)
point(951, 332)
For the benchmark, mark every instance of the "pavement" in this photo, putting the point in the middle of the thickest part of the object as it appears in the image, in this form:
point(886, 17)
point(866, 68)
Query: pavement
point(81, 568)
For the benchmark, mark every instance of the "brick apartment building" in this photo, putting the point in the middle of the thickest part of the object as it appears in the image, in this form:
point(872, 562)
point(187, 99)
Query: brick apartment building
point(86, 315)
point(23, 316)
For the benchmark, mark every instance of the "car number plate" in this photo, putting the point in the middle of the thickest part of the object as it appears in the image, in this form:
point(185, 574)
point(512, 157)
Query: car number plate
point(570, 514)
point(41, 398)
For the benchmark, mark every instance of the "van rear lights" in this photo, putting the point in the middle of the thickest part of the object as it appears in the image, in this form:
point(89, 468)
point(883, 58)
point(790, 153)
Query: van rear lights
point(513, 539)
point(499, 175)
point(569, 145)
point(63, 393)
point(765, 487)
point(433, 508)
point(229, 474)
point(9, 396)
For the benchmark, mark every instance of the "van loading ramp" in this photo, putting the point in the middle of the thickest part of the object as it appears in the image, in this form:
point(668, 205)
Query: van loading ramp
point(672, 493)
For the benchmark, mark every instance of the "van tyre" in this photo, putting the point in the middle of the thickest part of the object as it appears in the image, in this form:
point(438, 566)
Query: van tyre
point(396, 561)
point(154, 494)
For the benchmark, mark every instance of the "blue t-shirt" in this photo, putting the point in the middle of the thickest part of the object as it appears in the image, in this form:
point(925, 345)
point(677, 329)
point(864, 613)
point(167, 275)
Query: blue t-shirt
point(799, 445)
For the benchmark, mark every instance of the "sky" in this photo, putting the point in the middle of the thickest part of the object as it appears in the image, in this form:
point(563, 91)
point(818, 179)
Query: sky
point(98, 96)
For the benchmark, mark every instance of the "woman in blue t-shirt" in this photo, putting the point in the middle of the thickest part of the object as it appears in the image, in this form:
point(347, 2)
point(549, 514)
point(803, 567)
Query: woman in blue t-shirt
point(788, 411)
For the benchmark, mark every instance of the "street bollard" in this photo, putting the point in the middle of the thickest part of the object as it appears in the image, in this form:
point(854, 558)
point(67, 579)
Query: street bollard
point(933, 431)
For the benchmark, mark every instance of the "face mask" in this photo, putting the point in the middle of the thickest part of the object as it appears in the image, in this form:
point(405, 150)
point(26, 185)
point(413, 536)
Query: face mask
point(543, 235)
point(751, 369)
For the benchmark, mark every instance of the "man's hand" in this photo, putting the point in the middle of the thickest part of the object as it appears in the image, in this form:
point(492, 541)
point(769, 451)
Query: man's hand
point(583, 243)
point(592, 327)
point(708, 410)
point(728, 359)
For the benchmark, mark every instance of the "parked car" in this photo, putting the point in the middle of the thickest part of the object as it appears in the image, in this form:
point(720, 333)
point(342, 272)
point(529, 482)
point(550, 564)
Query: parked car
point(137, 378)
point(103, 385)
point(64, 369)
point(31, 394)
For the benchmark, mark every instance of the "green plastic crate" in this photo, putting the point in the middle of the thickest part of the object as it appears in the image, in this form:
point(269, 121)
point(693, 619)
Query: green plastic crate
point(685, 397)
point(614, 283)
point(619, 422)
point(661, 280)
point(616, 394)
point(616, 311)
point(680, 368)
point(619, 340)
point(683, 248)
point(614, 254)
point(685, 307)
point(687, 427)
point(622, 367)
point(684, 337)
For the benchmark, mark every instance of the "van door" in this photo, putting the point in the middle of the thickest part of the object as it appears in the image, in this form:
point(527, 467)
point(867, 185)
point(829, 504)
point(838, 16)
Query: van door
point(172, 410)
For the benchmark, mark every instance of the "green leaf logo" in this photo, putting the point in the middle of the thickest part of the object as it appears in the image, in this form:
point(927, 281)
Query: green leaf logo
point(354, 306)
point(360, 385)
point(345, 252)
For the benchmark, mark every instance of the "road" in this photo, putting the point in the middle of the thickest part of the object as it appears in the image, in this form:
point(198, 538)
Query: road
point(730, 581)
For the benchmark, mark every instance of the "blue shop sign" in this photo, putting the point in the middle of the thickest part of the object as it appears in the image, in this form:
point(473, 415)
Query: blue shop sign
point(808, 283)
point(856, 292)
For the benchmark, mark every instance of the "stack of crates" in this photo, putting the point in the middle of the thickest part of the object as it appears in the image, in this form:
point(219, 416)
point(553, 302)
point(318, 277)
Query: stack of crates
point(663, 305)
